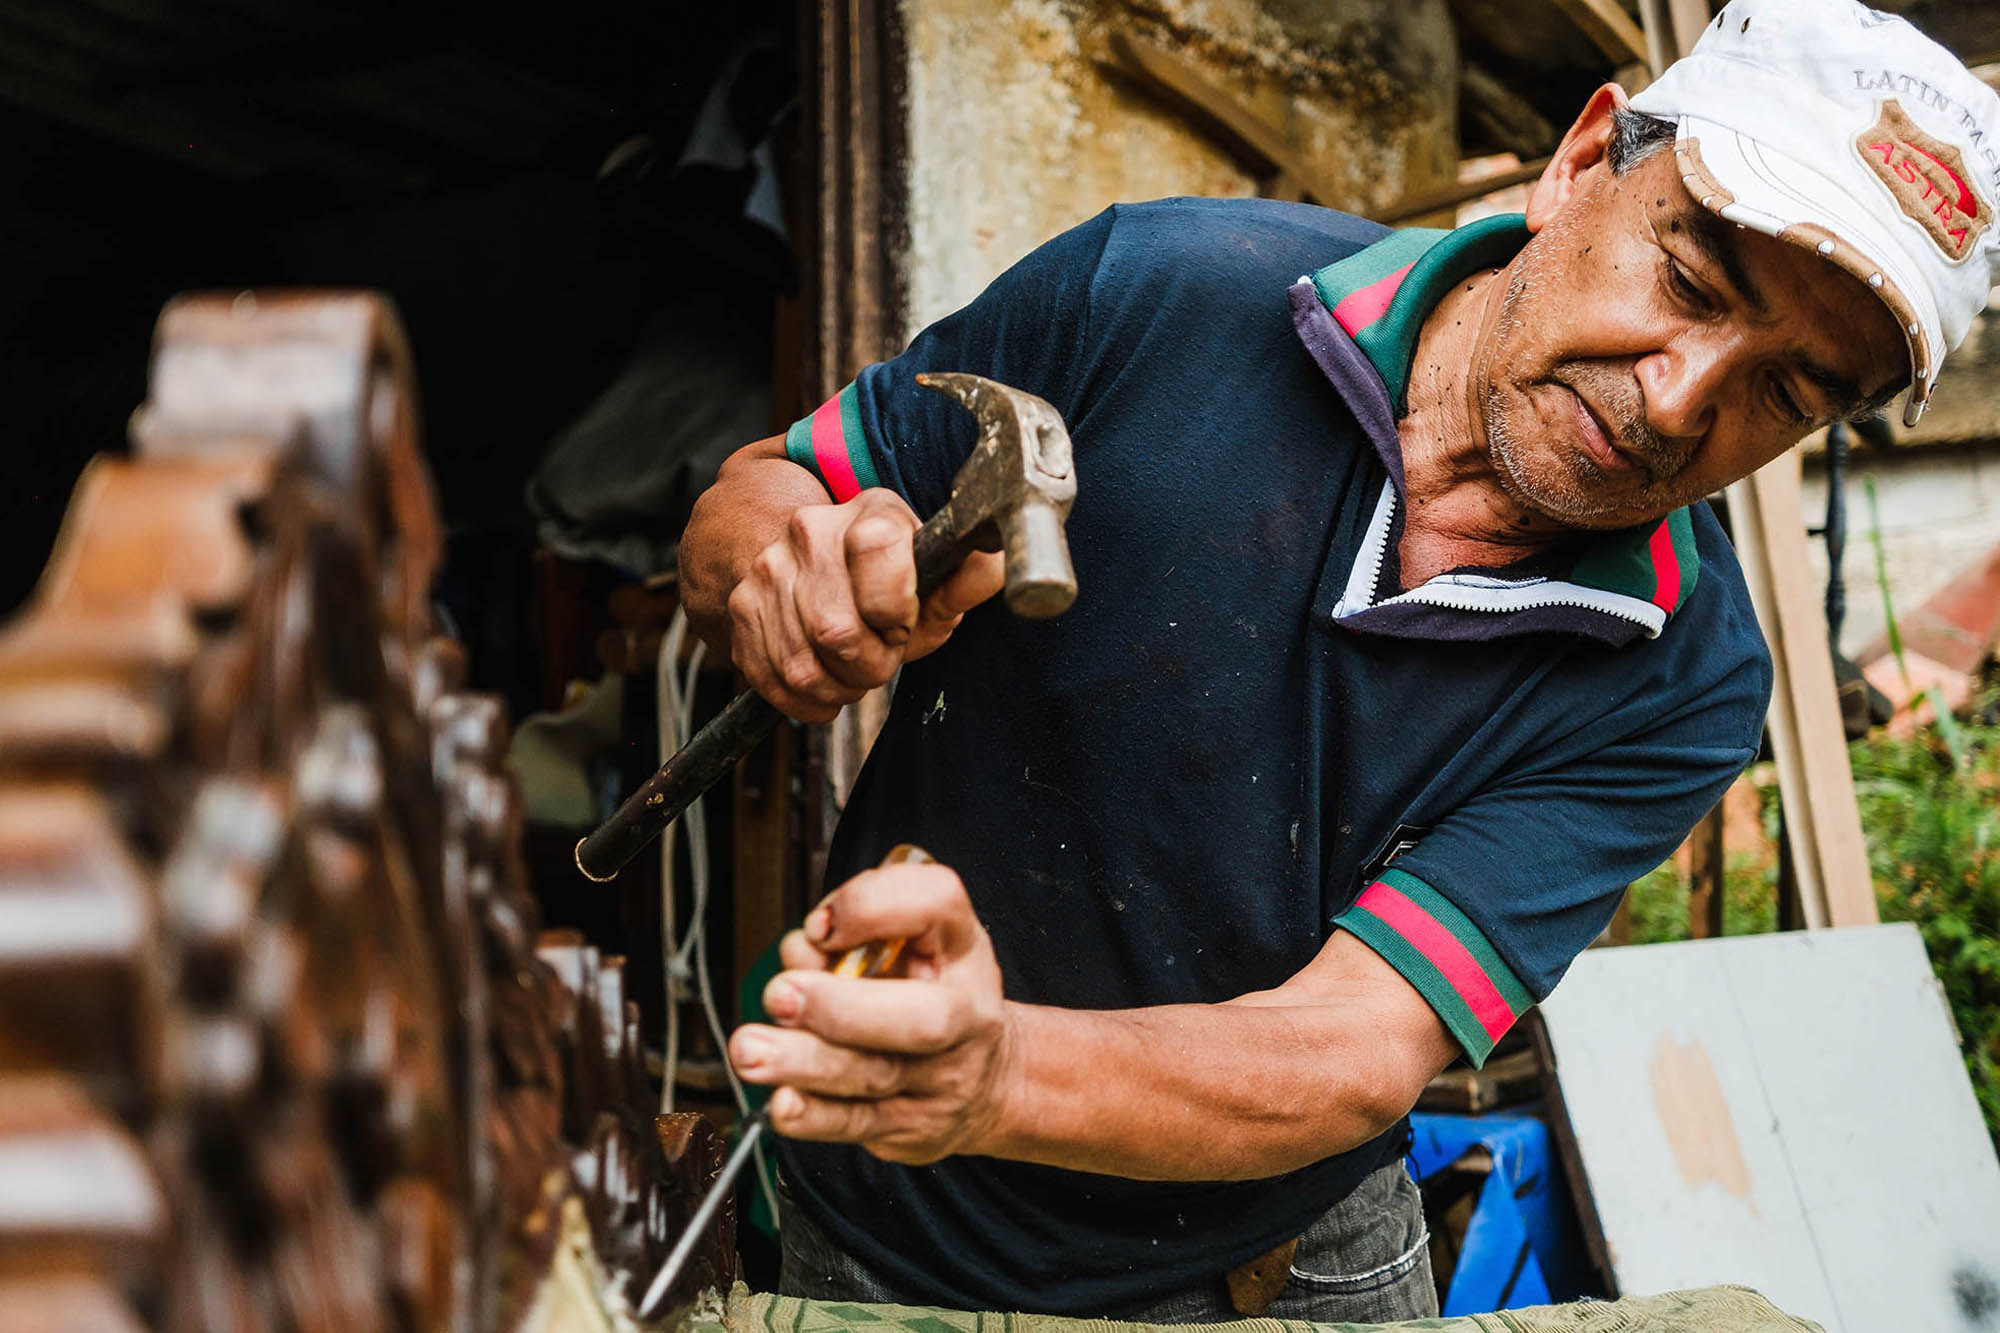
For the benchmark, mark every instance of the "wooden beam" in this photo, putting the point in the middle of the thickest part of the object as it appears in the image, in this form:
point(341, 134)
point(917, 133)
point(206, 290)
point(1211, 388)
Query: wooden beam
point(1822, 822)
point(1689, 18)
point(857, 57)
point(1223, 113)
point(1494, 110)
point(1658, 29)
point(1450, 196)
point(1705, 863)
point(1263, 147)
point(1607, 24)
point(856, 286)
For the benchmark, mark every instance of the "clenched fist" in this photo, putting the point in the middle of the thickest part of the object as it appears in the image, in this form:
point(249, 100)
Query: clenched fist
point(830, 610)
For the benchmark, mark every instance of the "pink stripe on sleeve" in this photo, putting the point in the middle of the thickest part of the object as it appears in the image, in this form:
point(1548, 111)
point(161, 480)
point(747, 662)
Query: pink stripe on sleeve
point(1363, 306)
point(1666, 568)
point(830, 452)
point(1446, 954)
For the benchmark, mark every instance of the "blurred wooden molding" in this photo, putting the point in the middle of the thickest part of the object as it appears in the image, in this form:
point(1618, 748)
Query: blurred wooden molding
point(1608, 25)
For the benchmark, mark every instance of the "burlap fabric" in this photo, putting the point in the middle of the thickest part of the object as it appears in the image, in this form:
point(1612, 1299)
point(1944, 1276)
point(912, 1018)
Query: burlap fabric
point(1709, 1310)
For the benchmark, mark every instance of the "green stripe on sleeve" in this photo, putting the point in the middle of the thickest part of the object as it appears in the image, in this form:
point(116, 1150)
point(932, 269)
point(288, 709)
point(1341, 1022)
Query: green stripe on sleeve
point(855, 438)
point(1421, 973)
point(1446, 914)
point(799, 447)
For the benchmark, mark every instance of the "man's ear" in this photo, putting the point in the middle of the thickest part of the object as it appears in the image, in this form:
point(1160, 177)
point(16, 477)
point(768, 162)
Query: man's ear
point(1584, 147)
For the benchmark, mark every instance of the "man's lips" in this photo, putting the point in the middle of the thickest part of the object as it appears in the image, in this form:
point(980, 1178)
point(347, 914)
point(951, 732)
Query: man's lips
point(1595, 439)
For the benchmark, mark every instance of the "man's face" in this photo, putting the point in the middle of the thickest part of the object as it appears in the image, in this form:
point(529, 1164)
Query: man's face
point(1647, 353)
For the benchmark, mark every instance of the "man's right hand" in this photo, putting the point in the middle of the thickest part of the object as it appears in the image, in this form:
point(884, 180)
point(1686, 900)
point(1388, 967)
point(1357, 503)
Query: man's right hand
point(829, 610)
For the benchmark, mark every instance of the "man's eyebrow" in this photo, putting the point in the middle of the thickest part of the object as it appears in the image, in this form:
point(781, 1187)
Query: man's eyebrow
point(1843, 394)
point(1716, 240)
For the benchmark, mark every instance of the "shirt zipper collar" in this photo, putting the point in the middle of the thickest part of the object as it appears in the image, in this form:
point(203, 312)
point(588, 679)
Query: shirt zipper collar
point(1483, 593)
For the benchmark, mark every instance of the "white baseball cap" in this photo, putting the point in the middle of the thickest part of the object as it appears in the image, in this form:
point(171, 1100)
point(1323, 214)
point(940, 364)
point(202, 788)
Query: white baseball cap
point(1835, 126)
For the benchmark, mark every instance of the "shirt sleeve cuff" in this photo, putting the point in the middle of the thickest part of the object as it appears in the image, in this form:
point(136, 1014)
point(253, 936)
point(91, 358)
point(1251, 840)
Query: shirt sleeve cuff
point(1440, 952)
point(832, 446)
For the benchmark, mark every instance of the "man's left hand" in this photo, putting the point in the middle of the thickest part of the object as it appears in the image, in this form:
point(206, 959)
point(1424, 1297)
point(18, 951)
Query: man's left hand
point(912, 1068)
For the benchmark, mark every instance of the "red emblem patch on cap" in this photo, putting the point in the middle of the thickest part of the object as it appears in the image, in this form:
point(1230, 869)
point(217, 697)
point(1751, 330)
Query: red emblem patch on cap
point(1927, 179)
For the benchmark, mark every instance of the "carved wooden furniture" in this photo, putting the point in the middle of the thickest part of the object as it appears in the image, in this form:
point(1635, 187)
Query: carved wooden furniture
point(281, 1043)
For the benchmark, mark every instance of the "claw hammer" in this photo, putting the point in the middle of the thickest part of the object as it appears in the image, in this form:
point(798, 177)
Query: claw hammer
point(1013, 494)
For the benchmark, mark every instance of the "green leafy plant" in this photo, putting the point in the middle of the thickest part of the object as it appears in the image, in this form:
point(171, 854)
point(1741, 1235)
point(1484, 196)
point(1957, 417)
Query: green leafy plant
point(1928, 812)
point(1928, 808)
point(1659, 903)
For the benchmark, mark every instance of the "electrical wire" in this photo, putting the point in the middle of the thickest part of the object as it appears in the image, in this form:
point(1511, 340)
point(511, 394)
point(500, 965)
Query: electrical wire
point(676, 725)
point(697, 826)
point(667, 710)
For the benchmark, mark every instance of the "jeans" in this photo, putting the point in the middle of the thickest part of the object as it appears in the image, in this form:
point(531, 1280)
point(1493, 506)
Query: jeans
point(1365, 1261)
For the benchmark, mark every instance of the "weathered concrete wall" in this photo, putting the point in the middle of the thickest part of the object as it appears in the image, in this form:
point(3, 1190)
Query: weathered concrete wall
point(1940, 511)
point(1017, 127)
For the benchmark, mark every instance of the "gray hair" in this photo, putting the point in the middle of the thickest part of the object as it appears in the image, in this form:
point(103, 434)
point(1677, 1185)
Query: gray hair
point(1636, 136)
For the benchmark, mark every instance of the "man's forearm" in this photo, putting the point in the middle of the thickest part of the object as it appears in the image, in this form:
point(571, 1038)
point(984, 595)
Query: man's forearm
point(938, 1062)
point(1197, 1092)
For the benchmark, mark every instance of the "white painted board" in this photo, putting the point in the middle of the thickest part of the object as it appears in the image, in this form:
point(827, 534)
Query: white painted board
point(1788, 1112)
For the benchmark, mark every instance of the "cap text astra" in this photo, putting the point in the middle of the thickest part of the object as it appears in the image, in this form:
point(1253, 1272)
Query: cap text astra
point(1926, 94)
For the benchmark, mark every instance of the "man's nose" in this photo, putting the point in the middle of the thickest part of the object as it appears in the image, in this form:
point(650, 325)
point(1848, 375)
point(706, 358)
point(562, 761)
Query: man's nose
point(1683, 384)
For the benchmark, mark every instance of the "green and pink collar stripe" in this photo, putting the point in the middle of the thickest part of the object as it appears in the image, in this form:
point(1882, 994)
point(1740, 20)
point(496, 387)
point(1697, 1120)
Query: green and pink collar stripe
point(1443, 954)
point(1381, 295)
point(1657, 565)
point(832, 446)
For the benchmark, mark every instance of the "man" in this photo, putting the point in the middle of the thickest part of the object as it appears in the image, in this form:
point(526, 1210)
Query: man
point(1399, 653)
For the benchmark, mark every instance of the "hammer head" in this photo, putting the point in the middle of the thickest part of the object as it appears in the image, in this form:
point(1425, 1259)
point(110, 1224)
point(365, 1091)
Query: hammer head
point(1014, 492)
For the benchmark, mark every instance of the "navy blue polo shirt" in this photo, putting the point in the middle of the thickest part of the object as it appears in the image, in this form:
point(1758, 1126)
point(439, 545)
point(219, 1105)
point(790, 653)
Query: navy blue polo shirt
point(1178, 790)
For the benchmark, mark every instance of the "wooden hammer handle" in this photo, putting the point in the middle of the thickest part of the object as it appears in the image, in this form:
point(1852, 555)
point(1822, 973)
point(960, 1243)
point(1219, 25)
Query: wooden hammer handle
point(938, 548)
point(875, 958)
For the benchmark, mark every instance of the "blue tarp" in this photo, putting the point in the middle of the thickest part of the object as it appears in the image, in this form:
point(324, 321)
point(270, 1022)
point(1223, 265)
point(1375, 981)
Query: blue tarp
point(1519, 1249)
